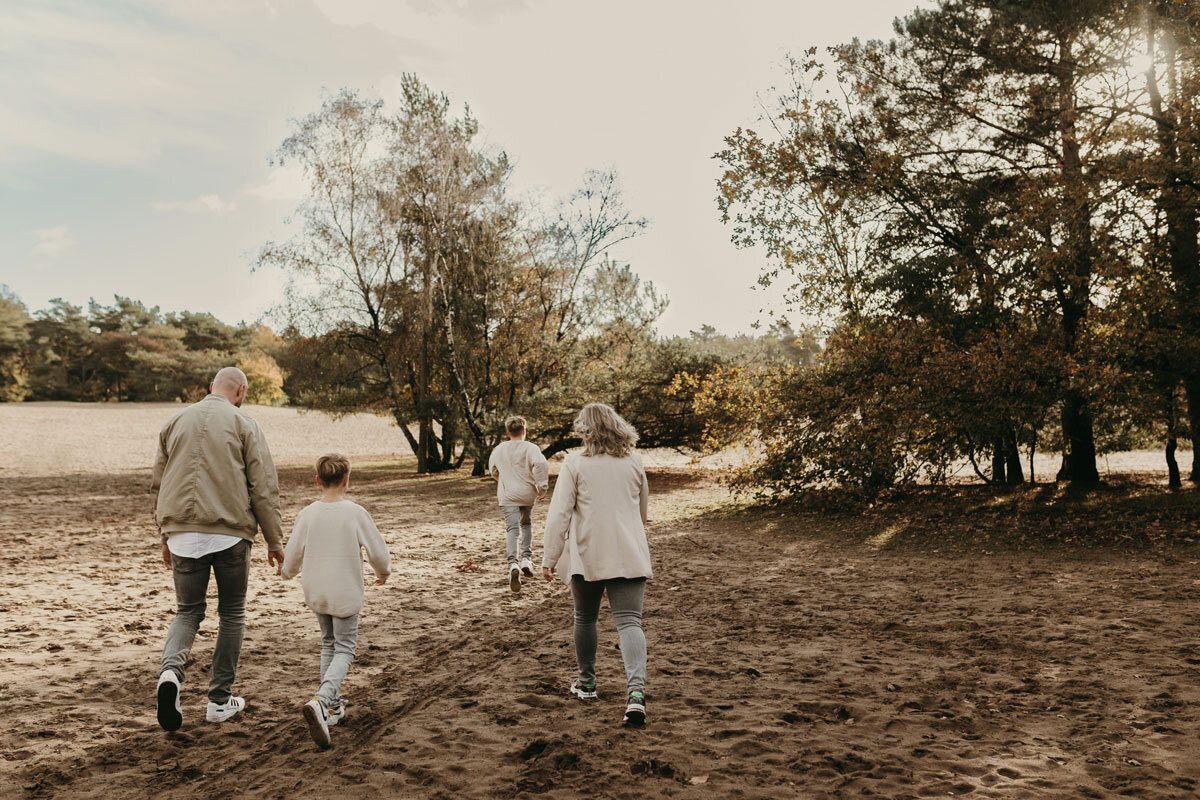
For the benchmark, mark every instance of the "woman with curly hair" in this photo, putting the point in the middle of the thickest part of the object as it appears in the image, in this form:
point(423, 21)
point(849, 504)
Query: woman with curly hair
point(596, 542)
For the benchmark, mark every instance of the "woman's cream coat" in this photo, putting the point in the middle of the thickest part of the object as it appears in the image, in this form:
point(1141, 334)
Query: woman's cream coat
point(596, 523)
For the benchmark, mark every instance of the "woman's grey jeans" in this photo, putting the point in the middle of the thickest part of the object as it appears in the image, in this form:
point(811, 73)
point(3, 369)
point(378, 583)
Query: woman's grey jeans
point(625, 596)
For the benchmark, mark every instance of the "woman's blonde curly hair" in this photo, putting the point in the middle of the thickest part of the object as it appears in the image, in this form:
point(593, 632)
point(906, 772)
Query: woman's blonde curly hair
point(604, 431)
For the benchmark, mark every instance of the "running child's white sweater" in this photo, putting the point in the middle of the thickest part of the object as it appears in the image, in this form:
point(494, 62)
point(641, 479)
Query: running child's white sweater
point(325, 546)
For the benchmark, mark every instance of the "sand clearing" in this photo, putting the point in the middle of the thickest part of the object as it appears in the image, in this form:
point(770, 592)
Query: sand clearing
point(784, 662)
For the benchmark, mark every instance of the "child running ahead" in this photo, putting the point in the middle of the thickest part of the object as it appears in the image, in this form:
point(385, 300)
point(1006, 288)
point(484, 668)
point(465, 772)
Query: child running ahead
point(326, 545)
point(521, 475)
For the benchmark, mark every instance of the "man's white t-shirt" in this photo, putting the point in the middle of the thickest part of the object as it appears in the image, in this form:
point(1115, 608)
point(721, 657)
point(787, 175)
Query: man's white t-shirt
point(198, 545)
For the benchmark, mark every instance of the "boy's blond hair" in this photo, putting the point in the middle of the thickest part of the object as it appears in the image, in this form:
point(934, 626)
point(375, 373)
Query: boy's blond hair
point(514, 425)
point(332, 469)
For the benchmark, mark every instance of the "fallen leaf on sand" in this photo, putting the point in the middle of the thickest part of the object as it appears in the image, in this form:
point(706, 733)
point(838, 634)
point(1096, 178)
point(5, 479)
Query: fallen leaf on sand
point(698, 779)
point(468, 566)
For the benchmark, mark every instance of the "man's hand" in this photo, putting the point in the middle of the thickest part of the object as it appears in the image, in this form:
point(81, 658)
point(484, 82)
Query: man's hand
point(548, 573)
point(541, 495)
point(166, 556)
point(275, 559)
point(380, 581)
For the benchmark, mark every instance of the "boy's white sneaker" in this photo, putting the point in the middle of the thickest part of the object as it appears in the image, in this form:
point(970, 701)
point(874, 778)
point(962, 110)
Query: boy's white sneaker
point(220, 713)
point(170, 715)
point(514, 578)
point(336, 714)
point(527, 567)
point(318, 725)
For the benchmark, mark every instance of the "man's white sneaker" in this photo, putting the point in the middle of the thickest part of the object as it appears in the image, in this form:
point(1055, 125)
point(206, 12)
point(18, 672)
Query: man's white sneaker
point(527, 567)
point(170, 715)
point(220, 713)
point(514, 578)
point(318, 726)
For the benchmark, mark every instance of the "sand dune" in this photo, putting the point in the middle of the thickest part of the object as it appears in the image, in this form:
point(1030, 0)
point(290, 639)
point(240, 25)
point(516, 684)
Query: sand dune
point(784, 662)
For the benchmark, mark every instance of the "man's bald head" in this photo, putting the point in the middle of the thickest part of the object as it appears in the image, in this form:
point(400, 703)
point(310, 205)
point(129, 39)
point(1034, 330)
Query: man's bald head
point(231, 383)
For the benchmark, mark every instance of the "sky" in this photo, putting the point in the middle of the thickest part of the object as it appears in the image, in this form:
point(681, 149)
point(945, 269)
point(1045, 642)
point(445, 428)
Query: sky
point(136, 135)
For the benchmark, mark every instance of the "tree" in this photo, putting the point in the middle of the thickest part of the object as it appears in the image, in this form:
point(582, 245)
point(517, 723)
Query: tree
point(1172, 36)
point(420, 289)
point(960, 177)
point(14, 340)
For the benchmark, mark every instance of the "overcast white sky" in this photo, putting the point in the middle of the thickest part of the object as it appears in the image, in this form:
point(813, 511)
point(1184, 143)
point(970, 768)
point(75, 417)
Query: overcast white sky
point(135, 135)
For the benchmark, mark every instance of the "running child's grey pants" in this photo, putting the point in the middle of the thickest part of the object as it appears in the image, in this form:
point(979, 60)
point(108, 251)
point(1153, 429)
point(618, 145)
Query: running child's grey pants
point(339, 639)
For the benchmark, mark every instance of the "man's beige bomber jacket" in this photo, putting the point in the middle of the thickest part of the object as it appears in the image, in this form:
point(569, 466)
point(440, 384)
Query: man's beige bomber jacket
point(214, 474)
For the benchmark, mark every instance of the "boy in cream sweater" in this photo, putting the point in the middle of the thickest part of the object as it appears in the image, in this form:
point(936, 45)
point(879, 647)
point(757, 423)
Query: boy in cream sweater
point(521, 474)
point(326, 545)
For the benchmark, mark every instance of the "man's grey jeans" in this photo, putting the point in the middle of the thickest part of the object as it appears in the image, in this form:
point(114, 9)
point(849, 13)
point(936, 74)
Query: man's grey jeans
point(339, 638)
point(231, 567)
point(517, 520)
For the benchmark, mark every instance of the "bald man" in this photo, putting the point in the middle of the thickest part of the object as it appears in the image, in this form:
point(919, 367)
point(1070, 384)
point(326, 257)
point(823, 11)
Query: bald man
point(216, 486)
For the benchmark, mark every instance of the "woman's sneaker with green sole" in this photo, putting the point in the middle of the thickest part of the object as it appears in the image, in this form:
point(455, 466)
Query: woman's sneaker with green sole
point(635, 710)
point(584, 691)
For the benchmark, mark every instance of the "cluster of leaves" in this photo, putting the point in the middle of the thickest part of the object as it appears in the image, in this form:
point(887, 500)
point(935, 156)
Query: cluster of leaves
point(995, 214)
point(127, 351)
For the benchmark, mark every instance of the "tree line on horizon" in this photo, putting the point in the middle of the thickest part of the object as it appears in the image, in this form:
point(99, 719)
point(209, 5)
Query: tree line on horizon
point(128, 352)
point(131, 352)
point(995, 214)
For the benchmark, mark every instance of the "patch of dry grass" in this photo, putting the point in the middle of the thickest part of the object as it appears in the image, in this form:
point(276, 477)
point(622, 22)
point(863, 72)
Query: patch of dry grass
point(70, 438)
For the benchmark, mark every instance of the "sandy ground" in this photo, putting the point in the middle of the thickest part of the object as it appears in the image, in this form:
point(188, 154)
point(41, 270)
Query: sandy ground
point(65, 438)
point(70, 438)
point(791, 655)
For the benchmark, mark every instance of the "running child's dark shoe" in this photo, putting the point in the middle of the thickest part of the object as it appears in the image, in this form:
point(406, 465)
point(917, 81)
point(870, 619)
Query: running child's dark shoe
point(635, 710)
point(584, 691)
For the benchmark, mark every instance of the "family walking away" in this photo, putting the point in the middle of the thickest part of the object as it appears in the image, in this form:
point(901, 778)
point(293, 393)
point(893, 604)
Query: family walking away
point(217, 486)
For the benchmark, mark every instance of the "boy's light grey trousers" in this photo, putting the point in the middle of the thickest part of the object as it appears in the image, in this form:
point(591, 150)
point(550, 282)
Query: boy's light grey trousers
point(339, 638)
point(518, 519)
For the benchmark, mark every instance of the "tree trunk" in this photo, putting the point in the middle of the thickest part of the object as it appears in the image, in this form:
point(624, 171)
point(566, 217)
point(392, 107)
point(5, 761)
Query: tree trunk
point(1079, 450)
point(1179, 205)
point(1192, 385)
point(456, 379)
point(448, 439)
point(402, 424)
point(1012, 456)
point(998, 460)
point(424, 370)
point(1172, 465)
point(1079, 444)
point(1173, 479)
point(1032, 450)
point(561, 445)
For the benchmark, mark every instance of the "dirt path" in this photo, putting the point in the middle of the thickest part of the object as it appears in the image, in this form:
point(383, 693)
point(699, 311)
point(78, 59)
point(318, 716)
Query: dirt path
point(780, 665)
